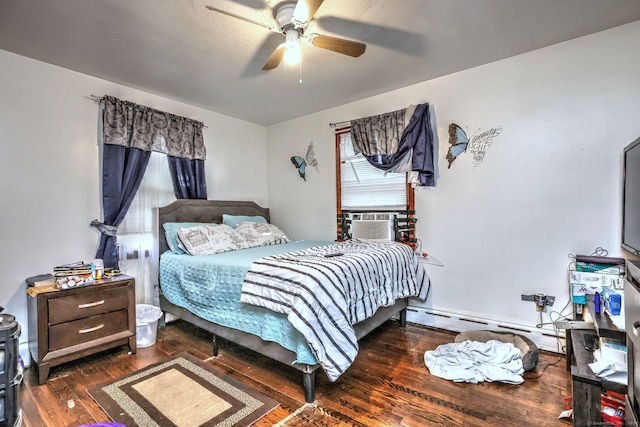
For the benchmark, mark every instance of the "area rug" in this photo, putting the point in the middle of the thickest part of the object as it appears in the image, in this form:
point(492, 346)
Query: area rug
point(183, 392)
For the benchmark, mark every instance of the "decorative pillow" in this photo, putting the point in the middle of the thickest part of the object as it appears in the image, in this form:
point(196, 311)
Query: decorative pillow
point(171, 234)
point(208, 239)
point(233, 220)
point(260, 234)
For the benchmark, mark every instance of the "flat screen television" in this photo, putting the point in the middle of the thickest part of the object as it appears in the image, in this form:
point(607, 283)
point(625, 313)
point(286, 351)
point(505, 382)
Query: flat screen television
point(631, 198)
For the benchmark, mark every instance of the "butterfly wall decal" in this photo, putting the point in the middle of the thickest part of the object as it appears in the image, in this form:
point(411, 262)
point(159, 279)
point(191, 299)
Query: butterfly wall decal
point(309, 159)
point(459, 142)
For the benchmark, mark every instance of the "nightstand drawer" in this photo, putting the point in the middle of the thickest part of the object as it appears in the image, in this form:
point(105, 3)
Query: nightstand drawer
point(84, 330)
point(77, 306)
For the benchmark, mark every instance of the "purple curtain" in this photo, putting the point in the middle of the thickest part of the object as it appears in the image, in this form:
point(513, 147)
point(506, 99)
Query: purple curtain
point(188, 178)
point(122, 172)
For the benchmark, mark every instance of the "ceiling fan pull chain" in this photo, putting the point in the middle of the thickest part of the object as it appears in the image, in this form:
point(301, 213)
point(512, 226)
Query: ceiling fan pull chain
point(300, 69)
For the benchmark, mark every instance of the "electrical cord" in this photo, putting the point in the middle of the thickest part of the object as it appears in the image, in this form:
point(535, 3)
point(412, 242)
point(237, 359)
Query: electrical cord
point(561, 348)
point(558, 313)
point(600, 251)
point(529, 377)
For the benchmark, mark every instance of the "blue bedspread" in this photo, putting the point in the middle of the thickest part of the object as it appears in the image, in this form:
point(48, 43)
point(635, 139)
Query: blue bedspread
point(210, 286)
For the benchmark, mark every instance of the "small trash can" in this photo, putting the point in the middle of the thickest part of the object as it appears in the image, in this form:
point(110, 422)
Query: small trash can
point(147, 324)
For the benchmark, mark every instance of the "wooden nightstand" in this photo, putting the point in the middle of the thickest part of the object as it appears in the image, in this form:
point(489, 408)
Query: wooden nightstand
point(73, 323)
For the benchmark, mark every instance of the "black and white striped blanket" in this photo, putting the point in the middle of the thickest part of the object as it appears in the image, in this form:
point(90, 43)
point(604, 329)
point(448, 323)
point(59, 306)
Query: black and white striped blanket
point(323, 296)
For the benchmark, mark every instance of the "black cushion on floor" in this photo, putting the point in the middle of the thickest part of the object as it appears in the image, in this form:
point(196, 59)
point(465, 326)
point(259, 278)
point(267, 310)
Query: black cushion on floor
point(527, 348)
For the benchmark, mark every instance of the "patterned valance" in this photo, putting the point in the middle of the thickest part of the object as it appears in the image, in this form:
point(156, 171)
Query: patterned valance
point(400, 141)
point(131, 125)
point(380, 134)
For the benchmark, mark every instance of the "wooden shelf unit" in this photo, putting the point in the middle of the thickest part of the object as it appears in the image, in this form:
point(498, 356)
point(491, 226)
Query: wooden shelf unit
point(587, 387)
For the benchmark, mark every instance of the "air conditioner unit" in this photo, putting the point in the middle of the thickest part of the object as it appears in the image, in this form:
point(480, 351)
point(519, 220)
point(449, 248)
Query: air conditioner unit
point(372, 229)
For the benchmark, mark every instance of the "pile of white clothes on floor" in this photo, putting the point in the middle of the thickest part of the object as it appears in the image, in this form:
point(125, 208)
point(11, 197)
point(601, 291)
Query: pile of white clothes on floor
point(474, 362)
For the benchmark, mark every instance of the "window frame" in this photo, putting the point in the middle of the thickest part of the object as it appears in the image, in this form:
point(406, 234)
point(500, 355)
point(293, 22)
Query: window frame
point(342, 221)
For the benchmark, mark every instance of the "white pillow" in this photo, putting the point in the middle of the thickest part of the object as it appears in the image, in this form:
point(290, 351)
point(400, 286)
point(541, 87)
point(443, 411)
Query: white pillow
point(259, 234)
point(208, 239)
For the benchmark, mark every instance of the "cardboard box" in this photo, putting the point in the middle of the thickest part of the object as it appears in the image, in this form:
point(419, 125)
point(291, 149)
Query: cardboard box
point(596, 279)
point(593, 267)
point(579, 292)
point(613, 351)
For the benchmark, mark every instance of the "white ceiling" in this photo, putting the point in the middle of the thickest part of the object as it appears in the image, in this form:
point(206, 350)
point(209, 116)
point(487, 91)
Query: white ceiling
point(182, 50)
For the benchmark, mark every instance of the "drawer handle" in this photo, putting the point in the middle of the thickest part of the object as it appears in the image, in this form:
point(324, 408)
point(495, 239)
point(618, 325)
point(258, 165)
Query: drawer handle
point(91, 304)
point(95, 328)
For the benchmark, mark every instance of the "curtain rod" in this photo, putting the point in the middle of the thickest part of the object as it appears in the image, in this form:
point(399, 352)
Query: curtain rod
point(349, 121)
point(94, 98)
point(97, 100)
point(340, 123)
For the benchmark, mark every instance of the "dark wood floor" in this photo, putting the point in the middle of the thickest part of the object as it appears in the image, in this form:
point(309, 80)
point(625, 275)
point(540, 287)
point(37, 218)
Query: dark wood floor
point(389, 385)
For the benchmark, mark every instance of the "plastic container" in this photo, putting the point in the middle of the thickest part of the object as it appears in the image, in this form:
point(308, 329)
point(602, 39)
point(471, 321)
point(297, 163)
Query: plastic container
point(147, 324)
point(97, 269)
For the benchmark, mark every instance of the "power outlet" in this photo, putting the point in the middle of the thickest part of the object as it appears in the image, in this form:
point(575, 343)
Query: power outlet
point(541, 300)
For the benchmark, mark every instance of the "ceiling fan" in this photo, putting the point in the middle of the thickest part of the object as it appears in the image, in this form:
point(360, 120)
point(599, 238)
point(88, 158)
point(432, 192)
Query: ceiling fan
point(291, 20)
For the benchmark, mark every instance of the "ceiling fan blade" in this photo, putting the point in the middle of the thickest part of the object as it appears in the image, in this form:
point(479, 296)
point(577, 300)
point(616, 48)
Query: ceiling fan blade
point(335, 44)
point(381, 35)
point(275, 59)
point(251, 21)
point(304, 11)
point(253, 4)
point(253, 68)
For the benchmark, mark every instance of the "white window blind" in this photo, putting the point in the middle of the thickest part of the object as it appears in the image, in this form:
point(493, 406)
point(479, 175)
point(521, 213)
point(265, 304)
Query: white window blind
point(155, 190)
point(364, 187)
point(136, 245)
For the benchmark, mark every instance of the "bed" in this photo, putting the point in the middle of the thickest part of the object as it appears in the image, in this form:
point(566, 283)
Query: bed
point(187, 284)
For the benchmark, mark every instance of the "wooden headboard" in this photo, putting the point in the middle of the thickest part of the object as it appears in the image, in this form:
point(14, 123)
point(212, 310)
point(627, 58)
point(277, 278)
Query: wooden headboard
point(208, 211)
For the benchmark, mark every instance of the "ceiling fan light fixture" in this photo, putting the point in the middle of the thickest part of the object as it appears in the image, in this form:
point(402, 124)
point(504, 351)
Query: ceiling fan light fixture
point(292, 54)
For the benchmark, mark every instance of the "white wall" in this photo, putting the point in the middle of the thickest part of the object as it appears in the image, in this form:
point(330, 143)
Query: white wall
point(549, 186)
point(49, 167)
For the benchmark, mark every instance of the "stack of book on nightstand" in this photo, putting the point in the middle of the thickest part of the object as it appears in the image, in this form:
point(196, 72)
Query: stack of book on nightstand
point(79, 268)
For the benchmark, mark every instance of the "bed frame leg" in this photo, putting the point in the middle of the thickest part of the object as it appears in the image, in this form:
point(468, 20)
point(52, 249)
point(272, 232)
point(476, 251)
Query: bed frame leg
point(214, 341)
point(162, 323)
point(309, 381)
point(403, 318)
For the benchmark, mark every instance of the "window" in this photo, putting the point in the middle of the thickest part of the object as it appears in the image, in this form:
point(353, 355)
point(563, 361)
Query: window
point(136, 244)
point(365, 188)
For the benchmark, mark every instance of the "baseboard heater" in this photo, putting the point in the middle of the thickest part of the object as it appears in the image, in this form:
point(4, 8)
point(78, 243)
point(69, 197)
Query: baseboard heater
point(450, 320)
